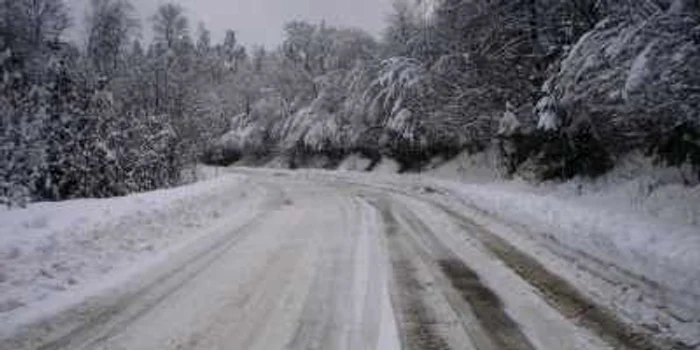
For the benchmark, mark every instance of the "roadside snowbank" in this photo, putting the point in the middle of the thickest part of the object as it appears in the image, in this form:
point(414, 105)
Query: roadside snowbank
point(354, 162)
point(661, 251)
point(639, 187)
point(386, 166)
point(636, 230)
point(54, 249)
point(479, 167)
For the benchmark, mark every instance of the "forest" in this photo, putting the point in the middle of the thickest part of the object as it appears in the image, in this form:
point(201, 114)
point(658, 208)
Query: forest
point(556, 89)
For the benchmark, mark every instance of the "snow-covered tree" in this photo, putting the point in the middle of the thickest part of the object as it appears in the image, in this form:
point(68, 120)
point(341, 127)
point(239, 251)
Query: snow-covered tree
point(170, 26)
point(203, 39)
point(110, 25)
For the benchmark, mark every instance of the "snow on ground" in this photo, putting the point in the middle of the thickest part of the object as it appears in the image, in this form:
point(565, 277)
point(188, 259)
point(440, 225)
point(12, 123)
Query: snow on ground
point(661, 251)
point(386, 166)
point(354, 162)
point(203, 172)
point(640, 188)
point(53, 249)
point(480, 167)
point(638, 219)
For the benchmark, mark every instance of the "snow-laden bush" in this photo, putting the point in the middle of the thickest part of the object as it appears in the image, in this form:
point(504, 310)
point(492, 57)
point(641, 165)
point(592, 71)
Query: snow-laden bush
point(319, 126)
point(401, 84)
point(632, 76)
point(403, 125)
point(678, 147)
point(228, 148)
point(627, 84)
point(250, 136)
point(308, 127)
point(547, 118)
point(64, 137)
point(509, 123)
point(403, 114)
point(546, 148)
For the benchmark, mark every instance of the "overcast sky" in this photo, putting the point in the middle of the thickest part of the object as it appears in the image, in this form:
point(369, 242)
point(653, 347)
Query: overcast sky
point(260, 21)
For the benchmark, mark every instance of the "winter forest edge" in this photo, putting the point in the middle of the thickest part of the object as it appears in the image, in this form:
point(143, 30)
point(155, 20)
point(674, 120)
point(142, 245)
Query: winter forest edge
point(556, 89)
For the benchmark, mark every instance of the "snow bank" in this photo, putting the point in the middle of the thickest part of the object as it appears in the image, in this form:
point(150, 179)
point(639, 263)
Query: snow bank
point(647, 225)
point(641, 188)
point(661, 251)
point(354, 162)
point(480, 167)
point(201, 172)
point(51, 249)
point(637, 228)
point(387, 166)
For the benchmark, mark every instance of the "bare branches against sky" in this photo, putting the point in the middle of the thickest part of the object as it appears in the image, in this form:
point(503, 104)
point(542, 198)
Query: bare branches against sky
point(260, 21)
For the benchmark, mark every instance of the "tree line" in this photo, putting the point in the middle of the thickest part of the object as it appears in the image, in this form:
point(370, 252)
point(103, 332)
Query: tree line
point(111, 117)
point(559, 89)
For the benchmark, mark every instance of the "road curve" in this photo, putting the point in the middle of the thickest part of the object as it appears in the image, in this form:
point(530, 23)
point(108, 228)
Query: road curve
point(341, 264)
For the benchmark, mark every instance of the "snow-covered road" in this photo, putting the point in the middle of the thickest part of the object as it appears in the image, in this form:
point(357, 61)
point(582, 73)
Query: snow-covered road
point(329, 261)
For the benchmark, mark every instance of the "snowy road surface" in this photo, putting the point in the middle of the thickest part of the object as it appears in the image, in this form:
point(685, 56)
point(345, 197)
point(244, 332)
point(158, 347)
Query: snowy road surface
point(327, 261)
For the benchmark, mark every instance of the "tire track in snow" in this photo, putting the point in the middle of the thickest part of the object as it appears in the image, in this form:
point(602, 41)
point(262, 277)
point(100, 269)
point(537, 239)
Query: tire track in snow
point(103, 322)
point(562, 295)
point(556, 291)
point(320, 322)
point(497, 329)
point(477, 309)
point(415, 317)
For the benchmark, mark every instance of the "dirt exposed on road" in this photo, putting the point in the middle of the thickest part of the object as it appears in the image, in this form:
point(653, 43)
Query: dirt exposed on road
point(563, 296)
point(417, 331)
point(500, 330)
point(488, 308)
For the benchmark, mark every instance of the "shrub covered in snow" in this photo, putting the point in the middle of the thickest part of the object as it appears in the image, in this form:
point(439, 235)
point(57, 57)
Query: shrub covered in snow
point(634, 76)
point(60, 139)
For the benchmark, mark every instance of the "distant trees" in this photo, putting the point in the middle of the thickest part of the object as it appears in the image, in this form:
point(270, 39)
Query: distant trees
point(401, 30)
point(124, 115)
point(32, 92)
point(170, 26)
point(439, 81)
point(30, 24)
point(109, 120)
point(110, 25)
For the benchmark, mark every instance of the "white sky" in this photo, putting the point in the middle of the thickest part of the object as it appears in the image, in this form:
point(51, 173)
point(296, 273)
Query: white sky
point(259, 21)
